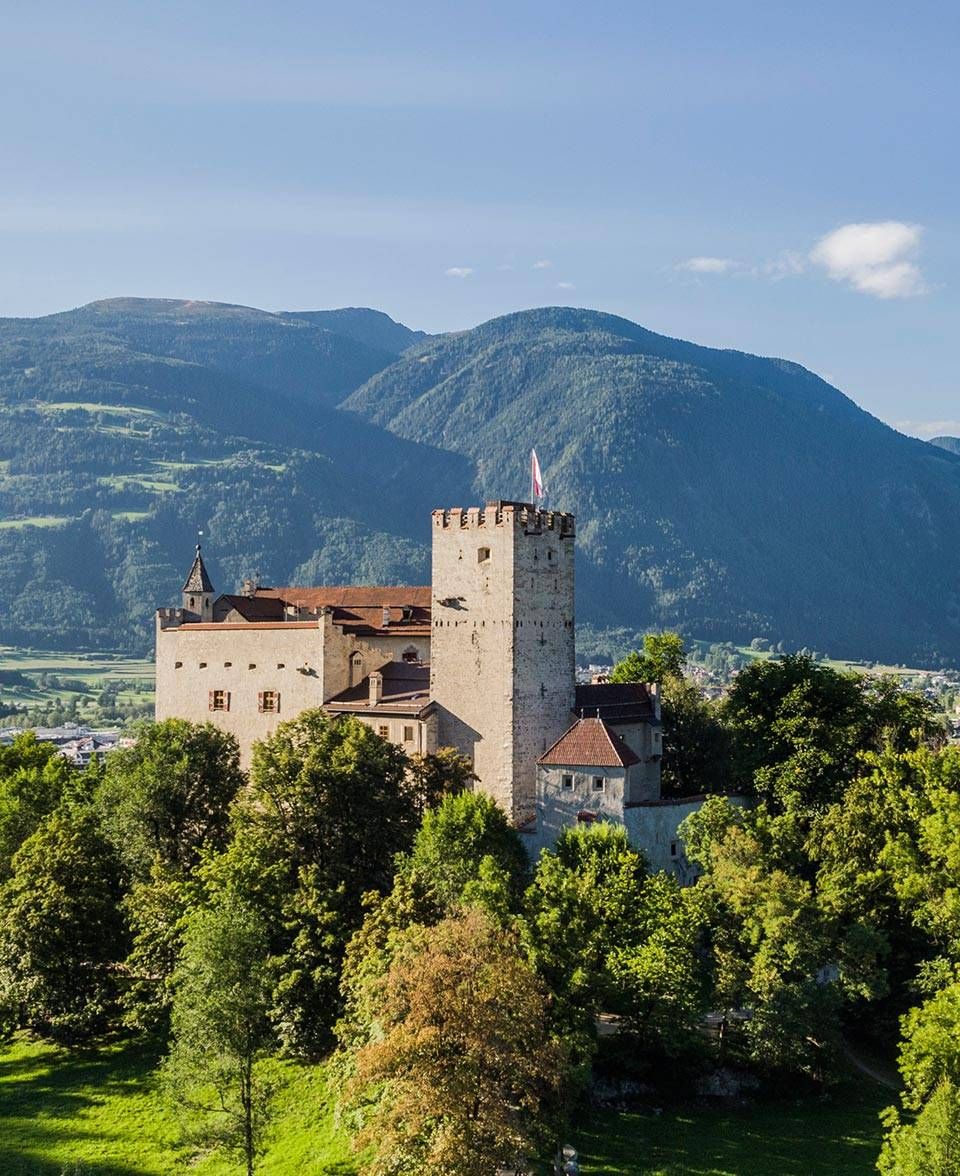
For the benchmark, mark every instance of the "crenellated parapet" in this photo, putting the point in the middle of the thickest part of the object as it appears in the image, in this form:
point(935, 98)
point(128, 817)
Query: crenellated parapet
point(533, 520)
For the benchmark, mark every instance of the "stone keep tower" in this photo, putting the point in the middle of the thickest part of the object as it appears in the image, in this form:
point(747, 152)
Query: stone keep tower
point(502, 647)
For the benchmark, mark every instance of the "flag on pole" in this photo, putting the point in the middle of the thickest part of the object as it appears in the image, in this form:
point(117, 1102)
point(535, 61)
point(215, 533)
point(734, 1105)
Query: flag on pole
point(536, 478)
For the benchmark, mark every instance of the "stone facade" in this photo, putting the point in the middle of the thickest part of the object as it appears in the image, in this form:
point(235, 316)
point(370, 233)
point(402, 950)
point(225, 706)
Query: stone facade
point(502, 649)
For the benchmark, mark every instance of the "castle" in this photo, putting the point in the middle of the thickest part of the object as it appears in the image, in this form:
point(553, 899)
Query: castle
point(482, 660)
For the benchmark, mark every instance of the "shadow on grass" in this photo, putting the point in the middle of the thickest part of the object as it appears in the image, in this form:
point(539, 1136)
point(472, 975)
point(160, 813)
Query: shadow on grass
point(841, 1137)
point(43, 1094)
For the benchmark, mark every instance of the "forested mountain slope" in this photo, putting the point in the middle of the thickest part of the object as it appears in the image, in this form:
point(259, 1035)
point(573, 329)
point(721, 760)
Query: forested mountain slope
point(128, 425)
point(732, 495)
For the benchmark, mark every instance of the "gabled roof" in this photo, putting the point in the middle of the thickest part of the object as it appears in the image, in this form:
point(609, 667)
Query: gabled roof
point(615, 702)
point(589, 743)
point(197, 579)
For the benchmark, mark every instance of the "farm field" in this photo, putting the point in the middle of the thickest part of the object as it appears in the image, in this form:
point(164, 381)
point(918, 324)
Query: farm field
point(44, 680)
point(98, 1112)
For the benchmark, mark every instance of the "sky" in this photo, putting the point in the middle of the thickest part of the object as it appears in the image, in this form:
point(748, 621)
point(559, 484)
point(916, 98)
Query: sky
point(781, 178)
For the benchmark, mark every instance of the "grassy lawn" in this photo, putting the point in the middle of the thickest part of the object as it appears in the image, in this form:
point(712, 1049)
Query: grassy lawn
point(98, 1113)
point(840, 1138)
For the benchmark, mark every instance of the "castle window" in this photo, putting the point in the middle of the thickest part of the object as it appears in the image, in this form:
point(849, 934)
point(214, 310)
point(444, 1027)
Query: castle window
point(673, 849)
point(227, 665)
point(383, 731)
point(598, 783)
point(218, 700)
point(549, 553)
point(203, 665)
point(252, 666)
point(408, 734)
point(178, 665)
point(411, 654)
point(268, 701)
point(566, 782)
point(281, 665)
point(483, 554)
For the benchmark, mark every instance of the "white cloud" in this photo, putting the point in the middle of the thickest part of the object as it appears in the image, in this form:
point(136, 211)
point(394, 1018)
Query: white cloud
point(873, 257)
point(545, 263)
point(459, 271)
point(928, 429)
point(566, 286)
point(708, 265)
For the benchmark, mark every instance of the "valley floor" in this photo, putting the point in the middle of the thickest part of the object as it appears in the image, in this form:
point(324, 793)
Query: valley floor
point(97, 1113)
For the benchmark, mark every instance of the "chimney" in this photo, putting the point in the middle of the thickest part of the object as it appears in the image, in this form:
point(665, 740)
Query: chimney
point(653, 689)
point(376, 687)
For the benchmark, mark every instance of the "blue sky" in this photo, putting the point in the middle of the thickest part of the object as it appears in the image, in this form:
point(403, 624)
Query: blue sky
point(777, 177)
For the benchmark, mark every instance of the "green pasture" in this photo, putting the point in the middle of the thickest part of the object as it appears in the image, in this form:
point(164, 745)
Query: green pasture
point(840, 1137)
point(99, 1112)
point(34, 521)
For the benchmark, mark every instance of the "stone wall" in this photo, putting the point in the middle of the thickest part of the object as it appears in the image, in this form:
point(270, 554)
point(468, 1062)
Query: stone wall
point(304, 662)
point(502, 650)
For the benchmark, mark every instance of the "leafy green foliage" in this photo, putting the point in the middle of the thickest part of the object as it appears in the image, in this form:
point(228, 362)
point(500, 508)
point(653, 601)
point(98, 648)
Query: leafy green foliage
point(930, 1145)
point(168, 797)
point(61, 931)
point(663, 656)
point(329, 806)
point(220, 1028)
point(33, 781)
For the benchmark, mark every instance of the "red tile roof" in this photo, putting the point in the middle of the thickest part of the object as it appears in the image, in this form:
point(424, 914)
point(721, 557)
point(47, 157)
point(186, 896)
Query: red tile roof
point(589, 743)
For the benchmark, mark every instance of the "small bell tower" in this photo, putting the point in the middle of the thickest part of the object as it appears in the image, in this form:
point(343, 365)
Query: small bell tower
point(198, 590)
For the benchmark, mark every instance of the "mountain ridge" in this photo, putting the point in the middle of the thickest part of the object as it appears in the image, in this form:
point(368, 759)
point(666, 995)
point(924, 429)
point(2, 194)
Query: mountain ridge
point(726, 494)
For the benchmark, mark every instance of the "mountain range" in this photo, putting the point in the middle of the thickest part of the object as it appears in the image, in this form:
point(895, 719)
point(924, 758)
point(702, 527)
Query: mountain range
point(723, 493)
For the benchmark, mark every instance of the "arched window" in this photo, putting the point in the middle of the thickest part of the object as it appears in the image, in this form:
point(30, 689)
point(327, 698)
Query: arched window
point(356, 668)
point(411, 654)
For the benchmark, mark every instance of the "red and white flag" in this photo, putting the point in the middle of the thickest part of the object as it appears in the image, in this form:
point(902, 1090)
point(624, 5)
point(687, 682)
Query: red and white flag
point(536, 478)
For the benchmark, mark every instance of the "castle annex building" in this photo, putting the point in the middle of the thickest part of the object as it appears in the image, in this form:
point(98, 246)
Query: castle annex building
point(482, 659)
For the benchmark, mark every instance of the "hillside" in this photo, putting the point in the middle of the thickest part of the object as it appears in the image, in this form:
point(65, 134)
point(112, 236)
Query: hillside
point(951, 444)
point(127, 425)
point(728, 494)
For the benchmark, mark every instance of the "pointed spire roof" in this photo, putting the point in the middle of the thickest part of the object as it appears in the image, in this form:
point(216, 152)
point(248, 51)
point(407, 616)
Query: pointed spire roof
point(197, 579)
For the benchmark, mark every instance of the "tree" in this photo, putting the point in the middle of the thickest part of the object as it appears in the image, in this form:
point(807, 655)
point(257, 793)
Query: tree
point(696, 748)
point(607, 937)
point(465, 854)
point(168, 796)
point(61, 928)
point(220, 1028)
point(329, 807)
point(438, 774)
point(456, 837)
point(34, 778)
point(928, 1146)
point(664, 656)
point(464, 1076)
